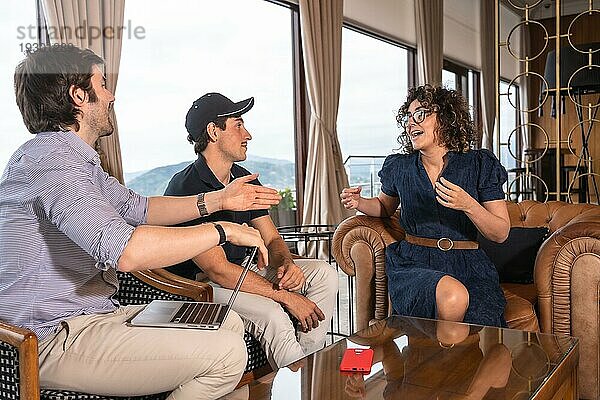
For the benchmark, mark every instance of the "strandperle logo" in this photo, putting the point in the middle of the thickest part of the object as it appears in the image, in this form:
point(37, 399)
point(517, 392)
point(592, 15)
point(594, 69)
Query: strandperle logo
point(84, 31)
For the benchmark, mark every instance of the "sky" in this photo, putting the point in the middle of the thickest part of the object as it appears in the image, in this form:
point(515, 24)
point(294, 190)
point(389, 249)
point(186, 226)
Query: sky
point(240, 48)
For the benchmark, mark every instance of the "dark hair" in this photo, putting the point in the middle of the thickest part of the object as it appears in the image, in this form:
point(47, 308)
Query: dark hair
point(202, 141)
point(42, 83)
point(455, 129)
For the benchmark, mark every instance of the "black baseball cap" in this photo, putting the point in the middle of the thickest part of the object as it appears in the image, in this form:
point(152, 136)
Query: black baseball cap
point(210, 107)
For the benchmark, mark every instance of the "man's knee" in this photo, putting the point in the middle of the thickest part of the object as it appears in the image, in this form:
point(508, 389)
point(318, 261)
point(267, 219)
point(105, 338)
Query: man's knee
point(323, 274)
point(220, 371)
point(234, 323)
point(233, 357)
point(331, 277)
point(239, 356)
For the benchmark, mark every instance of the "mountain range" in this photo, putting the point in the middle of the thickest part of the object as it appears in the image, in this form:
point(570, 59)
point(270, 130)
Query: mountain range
point(275, 173)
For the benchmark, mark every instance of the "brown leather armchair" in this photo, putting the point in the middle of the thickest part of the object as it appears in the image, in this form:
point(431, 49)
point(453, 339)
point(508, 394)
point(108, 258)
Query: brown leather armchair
point(566, 291)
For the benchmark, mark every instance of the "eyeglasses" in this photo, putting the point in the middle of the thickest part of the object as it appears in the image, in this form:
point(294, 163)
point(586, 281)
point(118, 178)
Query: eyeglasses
point(418, 116)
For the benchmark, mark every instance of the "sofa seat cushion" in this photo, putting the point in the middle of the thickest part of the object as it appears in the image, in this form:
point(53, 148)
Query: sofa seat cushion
point(526, 291)
point(519, 313)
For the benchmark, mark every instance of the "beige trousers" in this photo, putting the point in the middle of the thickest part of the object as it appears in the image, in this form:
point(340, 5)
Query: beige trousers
point(271, 325)
point(101, 354)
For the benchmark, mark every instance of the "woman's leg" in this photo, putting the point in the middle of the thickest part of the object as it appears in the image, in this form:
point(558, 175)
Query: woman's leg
point(452, 299)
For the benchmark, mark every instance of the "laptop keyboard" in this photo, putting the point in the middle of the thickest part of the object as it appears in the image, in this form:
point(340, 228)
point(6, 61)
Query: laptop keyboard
point(197, 313)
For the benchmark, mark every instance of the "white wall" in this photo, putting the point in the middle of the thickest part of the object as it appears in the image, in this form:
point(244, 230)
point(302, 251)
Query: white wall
point(395, 18)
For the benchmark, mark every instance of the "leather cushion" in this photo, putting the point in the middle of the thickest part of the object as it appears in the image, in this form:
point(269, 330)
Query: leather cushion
point(527, 291)
point(519, 313)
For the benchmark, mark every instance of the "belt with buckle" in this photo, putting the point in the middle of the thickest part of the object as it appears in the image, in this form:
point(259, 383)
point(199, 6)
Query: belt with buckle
point(443, 244)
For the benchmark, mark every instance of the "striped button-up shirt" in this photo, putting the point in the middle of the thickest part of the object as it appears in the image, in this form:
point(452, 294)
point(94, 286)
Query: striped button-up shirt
point(64, 223)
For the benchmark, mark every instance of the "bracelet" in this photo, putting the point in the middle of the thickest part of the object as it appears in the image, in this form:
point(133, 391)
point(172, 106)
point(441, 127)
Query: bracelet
point(222, 235)
point(201, 205)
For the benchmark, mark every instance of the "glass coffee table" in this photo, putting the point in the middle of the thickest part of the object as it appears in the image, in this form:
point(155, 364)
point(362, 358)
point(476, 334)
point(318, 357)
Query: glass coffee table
point(418, 358)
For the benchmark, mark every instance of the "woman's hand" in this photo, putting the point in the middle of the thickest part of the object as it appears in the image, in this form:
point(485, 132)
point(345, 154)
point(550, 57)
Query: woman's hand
point(453, 196)
point(243, 235)
point(350, 197)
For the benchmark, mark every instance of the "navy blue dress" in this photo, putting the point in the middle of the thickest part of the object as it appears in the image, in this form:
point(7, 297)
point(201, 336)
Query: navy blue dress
point(413, 271)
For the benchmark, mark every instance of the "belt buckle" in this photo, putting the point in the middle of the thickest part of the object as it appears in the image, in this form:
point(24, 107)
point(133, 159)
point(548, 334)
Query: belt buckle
point(439, 244)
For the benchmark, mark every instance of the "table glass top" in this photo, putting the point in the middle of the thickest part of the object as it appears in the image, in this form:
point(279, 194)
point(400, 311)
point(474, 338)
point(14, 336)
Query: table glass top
point(418, 358)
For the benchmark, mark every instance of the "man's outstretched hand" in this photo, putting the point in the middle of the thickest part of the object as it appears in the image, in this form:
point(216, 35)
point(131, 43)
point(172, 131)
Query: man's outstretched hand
point(240, 195)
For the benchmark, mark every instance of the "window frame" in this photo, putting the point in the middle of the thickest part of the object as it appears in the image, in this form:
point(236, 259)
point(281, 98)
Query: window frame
point(409, 77)
point(519, 143)
point(462, 76)
point(464, 85)
point(301, 111)
point(376, 34)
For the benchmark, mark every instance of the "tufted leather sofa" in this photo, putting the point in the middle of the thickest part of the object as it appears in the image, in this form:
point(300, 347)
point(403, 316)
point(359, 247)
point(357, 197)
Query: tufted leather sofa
point(566, 289)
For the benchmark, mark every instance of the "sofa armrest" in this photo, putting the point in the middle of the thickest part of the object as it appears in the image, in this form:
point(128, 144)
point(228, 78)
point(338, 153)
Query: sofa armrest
point(567, 278)
point(26, 344)
point(164, 280)
point(358, 246)
point(568, 255)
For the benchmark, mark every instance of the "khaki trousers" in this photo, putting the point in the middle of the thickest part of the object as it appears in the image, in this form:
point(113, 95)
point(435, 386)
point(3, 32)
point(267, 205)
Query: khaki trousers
point(101, 354)
point(271, 325)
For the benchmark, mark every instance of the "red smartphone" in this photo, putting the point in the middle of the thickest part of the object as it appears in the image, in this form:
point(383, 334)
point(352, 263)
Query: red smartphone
point(357, 360)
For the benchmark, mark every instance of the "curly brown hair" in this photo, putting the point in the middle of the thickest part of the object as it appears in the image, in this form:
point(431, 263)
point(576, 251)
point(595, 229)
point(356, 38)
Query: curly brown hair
point(455, 129)
point(42, 83)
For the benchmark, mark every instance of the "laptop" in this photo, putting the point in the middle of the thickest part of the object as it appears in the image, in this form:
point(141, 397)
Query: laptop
point(191, 314)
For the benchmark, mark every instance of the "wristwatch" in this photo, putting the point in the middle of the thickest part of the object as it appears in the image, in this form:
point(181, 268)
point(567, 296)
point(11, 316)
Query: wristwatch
point(201, 205)
point(222, 235)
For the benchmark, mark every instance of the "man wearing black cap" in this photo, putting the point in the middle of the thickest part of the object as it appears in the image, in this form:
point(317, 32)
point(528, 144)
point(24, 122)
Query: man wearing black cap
point(305, 288)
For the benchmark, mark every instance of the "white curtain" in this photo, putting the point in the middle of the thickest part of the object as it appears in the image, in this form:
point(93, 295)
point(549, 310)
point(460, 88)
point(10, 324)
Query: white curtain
point(488, 78)
point(82, 23)
point(321, 25)
point(429, 23)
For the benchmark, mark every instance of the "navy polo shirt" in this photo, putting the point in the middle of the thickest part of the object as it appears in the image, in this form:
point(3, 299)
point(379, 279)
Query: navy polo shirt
point(199, 178)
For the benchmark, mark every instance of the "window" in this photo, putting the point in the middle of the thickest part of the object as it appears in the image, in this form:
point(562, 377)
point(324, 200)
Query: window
point(466, 81)
point(456, 77)
point(223, 46)
point(508, 122)
point(18, 28)
point(374, 85)
point(510, 140)
point(449, 79)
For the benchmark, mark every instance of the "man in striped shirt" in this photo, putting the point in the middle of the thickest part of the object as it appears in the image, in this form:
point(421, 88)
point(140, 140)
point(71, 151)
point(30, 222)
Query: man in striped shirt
point(66, 226)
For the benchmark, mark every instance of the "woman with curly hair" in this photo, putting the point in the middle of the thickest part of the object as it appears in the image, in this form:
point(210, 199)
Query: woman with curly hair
point(447, 191)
